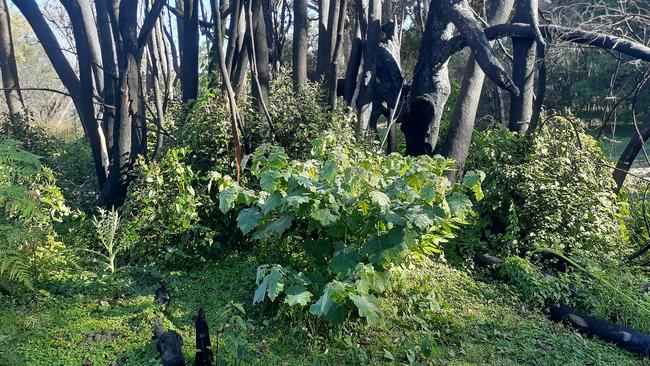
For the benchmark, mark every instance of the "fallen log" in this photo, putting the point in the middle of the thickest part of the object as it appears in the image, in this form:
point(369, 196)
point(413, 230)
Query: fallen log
point(624, 337)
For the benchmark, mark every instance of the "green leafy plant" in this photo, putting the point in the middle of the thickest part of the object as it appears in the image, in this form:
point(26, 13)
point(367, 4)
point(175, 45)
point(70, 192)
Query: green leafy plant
point(111, 236)
point(342, 219)
point(553, 189)
point(30, 202)
point(166, 209)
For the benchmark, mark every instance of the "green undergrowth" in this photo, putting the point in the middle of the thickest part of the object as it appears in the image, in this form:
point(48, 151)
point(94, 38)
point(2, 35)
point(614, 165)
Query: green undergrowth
point(434, 315)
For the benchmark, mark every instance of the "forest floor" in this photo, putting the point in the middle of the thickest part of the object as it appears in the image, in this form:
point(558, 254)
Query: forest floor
point(434, 315)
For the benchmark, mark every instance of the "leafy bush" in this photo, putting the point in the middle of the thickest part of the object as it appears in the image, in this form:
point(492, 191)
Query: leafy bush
point(549, 190)
point(202, 128)
point(342, 219)
point(301, 117)
point(33, 138)
point(30, 202)
point(71, 162)
point(166, 209)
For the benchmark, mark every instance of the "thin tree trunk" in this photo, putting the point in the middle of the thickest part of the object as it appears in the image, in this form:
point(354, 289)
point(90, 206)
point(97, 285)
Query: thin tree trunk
point(354, 62)
point(366, 97)
point(300, 33)
point(323, 52)
point(107, 46)
point(629, 154)
point(10, 81)
point(499, 105)
point(233, 34)
point(459, 136)
point(157, 95)
point(190, 54)
point(260, 57)
point(90, 27)
point(523, 68)
point(332, 79)
point(225, 75)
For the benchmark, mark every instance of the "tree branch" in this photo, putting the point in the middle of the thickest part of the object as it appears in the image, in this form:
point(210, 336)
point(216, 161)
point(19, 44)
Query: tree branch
point(149, 22)
point(574, 35)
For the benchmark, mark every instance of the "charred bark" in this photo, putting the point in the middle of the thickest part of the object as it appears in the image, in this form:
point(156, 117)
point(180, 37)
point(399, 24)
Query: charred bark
point(366, 92)
point(300, 32)
point(630, 153)
point(10, 81)
point(431, 87)
point(190, 53)
point(459, 136)
point(523, 68)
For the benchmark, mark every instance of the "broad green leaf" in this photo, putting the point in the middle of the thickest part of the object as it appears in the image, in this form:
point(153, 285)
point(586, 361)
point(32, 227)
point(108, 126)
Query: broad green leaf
point(260, 293)
point(323, 305)
point(420, 219)
point(428, 192)
point(378, 244)
point(244, 161)
point(327, 308)
point(269, 180)
point(459, 205)
point(227, 199)
point(344, 260)
point(280, 225)
point(328, 172)
point(371, 280)
point(275, 283)
point(248, 219)
point(271, 203)
point(278, 159)
point(297, 295)
point(368, 307)
point(295, 199)
point(272, 283)
point(380, 199)
point(473, 180)
point(393, 217)
point(324, 216)
point(337, 314)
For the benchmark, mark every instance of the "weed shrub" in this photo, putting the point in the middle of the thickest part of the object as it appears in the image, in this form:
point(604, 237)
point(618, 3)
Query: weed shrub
point(549, 190)
point(336, 223)
point(171, 213)
point(202, 128)
point(301, 117)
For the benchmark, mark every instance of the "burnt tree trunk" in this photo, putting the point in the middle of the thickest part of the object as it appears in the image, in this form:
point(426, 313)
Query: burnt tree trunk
point(629, 154)
point(94, 49)
point(70, 80)
point(190, 54)
point(260, 87)
point(523, 68)
point(459, 136)
point(337, 26)
point(366, 97)
point(300, 33)
point(107, 46)
point(323, 52)
point(354, 60)
point(431, 87)
point(10, 81)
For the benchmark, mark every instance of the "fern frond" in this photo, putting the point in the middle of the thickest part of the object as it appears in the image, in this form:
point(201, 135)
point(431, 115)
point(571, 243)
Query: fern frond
point(15, 267)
